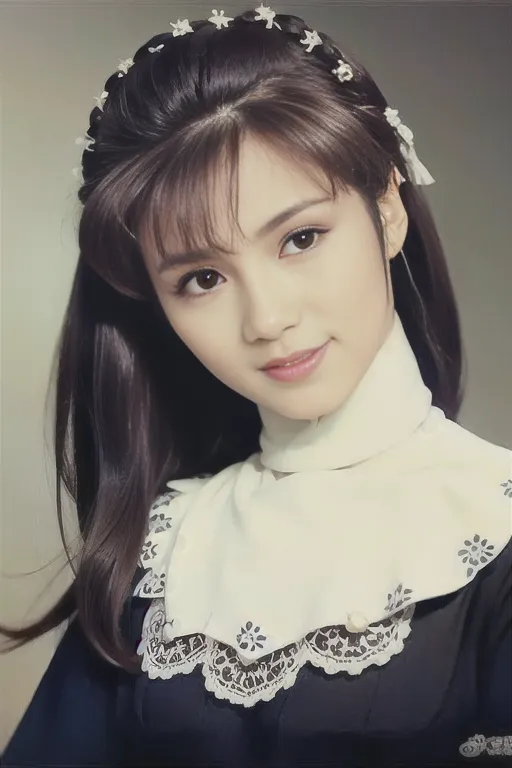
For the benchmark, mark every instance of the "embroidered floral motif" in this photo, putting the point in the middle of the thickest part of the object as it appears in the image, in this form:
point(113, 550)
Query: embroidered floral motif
point(477, 553)
point(332, 649)
point(164, 499)
point(397, 599)
point(249, 639)
point(493, 745)
point(151, 585)
point(161, 521)
point(148, 551)
point(507, 485)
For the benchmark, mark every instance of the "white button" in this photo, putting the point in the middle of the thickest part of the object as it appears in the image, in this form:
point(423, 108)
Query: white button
point(357, 622)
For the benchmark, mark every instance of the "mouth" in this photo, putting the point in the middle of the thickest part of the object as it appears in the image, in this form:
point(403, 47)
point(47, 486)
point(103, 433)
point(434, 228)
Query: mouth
point(296, 357)
point(300, 368)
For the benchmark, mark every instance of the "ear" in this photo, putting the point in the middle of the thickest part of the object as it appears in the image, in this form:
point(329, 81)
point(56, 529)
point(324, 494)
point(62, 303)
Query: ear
point(394, 217)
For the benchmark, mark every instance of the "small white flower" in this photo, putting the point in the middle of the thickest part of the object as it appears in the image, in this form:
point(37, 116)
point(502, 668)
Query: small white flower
point(312, 39)
point(124, 66)
point(77, 173)
point(266, 14)
point(86, 140)
point(157, 49)
point(100, 100)
point(219, 19)
point(343, 72)
point(181, 27)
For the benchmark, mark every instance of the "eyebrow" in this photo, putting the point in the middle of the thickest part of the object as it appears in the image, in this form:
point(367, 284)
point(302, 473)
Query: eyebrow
point(174, 260)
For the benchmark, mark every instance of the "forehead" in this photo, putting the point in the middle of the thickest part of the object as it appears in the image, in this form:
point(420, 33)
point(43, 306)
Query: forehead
point(268, 181)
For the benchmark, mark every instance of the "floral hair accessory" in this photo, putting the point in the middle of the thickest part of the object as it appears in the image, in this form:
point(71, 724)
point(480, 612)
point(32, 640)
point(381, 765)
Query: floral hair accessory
point(181, 28)
point(100, 100)
point(219, 19)
point(86, 141)
point(312, 39)
point(124, 66)
point(265, 14)
point(343, 72)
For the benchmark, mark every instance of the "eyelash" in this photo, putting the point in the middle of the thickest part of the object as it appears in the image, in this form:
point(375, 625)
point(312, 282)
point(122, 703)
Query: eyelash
point(180, 289)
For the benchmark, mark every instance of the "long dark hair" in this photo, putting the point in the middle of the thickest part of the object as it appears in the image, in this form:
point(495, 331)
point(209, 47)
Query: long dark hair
point(133, 407)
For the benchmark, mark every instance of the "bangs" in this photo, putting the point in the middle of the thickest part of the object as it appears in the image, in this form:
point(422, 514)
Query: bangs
point(180, 213)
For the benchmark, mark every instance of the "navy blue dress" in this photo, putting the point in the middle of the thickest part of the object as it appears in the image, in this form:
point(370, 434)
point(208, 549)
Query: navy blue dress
point(452, 681)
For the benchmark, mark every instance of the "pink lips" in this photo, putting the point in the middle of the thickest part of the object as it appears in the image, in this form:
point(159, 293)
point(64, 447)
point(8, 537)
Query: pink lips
point(290, 359)
point(295, 371)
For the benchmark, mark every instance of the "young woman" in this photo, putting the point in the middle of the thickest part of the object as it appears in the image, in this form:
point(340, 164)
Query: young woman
point(291, 554)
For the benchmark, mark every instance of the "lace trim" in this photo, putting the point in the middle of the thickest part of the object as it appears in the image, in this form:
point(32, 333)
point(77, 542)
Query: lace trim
point(230, 672)
point(333, 649)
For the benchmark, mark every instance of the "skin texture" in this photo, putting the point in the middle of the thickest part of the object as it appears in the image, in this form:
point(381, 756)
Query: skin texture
point(278, 295)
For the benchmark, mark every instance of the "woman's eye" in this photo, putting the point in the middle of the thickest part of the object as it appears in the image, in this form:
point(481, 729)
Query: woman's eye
point(205, 279)
point(304, 239)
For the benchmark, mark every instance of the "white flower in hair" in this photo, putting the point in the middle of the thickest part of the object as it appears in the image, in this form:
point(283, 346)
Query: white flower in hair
point(86, 140)
point(157, 49)
point(100, 100)
point(219, 19)
point(312, 39)
point(343, 72)
point(124, 66)
point(266, 14)
point(77, 173)
point(181, 27)
point(394, 120)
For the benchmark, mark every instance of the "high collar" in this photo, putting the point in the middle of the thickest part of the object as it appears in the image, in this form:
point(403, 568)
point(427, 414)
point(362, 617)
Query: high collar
point(390, 402)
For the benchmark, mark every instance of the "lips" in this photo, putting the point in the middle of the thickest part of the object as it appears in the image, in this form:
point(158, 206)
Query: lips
point(278, 362)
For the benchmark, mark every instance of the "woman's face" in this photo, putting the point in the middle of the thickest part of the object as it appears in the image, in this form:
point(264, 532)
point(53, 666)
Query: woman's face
point(284, 291)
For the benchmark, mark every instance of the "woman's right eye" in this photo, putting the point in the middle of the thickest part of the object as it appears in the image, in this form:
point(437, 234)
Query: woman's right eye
point(205, 279)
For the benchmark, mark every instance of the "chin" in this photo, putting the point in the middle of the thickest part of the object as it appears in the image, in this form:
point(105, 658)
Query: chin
point(306, 408)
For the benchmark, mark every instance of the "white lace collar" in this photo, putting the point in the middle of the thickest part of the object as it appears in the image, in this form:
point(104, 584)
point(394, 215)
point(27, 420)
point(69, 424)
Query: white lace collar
point(338, 526)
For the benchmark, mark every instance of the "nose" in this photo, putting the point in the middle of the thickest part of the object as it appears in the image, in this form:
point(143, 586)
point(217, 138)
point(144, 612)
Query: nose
point(268, 309)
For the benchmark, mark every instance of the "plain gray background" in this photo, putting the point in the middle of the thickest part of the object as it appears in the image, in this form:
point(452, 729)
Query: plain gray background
point(445, 66)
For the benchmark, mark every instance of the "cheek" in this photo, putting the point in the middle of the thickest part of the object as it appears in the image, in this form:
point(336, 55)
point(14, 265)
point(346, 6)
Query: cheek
point(203, 333)
point(355, 280)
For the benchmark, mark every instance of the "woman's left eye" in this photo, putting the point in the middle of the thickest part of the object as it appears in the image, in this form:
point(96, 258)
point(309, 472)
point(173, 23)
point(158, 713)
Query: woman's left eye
point(305, 238)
